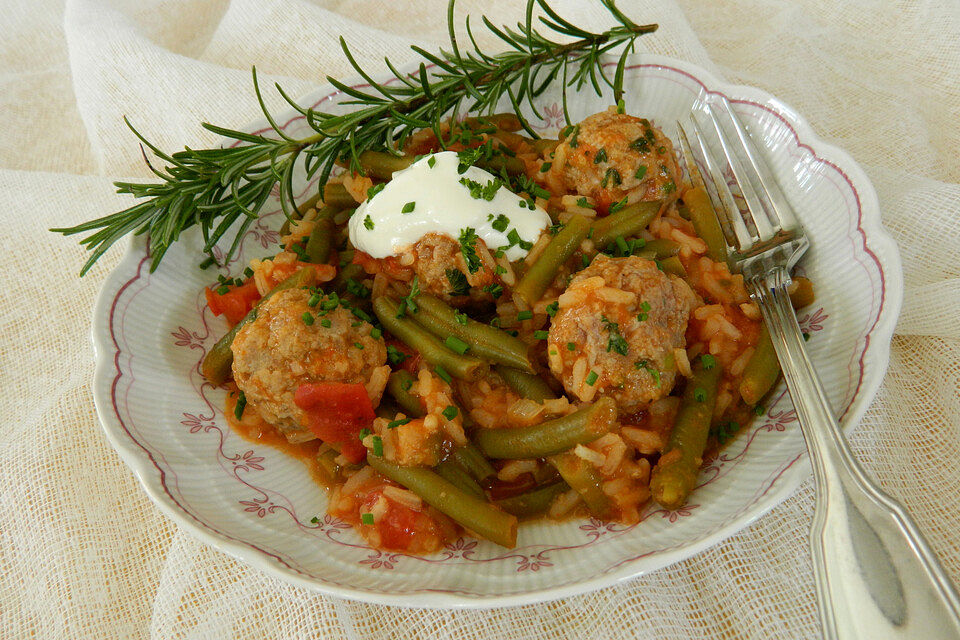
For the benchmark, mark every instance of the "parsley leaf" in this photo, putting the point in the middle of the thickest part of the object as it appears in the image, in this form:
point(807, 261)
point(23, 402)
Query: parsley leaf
point(467, 239)
point(616, 341)
point(458, 281)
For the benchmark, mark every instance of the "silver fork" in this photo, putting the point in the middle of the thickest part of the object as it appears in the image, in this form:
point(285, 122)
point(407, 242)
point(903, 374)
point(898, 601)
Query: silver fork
point(876, 576)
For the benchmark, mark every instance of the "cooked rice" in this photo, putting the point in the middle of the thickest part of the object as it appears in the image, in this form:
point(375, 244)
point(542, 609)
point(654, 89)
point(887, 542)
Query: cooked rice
point(404, 497)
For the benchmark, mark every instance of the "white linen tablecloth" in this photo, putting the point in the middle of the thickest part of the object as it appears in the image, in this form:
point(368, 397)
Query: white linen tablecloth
point(85, 554)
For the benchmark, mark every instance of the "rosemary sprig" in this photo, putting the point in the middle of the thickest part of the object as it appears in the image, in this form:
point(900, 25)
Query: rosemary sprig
point(214, 188)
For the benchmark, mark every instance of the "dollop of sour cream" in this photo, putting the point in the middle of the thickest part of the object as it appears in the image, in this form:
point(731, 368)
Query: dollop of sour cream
point(431, 196)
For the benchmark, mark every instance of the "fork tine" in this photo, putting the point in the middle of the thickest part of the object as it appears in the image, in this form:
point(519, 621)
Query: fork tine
point(697, 180)
point(778, 202)
point(734, 229)
point(742, 176)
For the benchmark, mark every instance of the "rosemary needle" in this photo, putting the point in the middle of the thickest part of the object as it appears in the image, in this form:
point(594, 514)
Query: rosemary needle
point(223, 188)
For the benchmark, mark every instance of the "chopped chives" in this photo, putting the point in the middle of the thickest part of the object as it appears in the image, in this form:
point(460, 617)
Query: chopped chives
point(364, 433)
point(314, 300)
point(307, 318)
point(708, 361)
point(399, 422)
point(642, 171)
point(456, 344)
point(645, 306)
point(541, 334)
point(207, 263)
point(545, 167)
point(431, 161)
point(241, 405)
point(409, 207)
point(592, 378)
point(500, 223)
point(552, 308)
point(758, 410)
point(223, 290)
point(622, 245)
point(601, 156)
point(461, 318)
point(377, 446)
point(358, 345)
point(440, 371)
point(248, 273)
point(366, 518)
point(450, 412)
point(699, 394)
point(325, 323)
point(376, 332)
point(571, 346)
point(524, 315)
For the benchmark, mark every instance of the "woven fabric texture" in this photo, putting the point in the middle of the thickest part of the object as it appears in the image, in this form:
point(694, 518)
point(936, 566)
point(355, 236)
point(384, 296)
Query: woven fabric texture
point(85, 554)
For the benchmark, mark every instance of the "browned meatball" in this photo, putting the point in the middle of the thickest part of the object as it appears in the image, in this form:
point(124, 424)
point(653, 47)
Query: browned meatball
point(617, 326)
point(613, 155)
point(277, 352)
point(441, 270)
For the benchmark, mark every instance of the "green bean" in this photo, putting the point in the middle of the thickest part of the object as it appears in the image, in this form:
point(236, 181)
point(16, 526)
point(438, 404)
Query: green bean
point(801, 292)
point(321, 237)
point(470, 458)
point(526, 384)
point(485, 341)
point(627, 222)
point(300, 211)
point(219, 360)
point(705, 222)
point(545, 146)
point(327, 468)
point(762, 370)
point(583, 478)
point(453, 473)
point(542, 272)
point(433, 351)
point(382, 165)
point(673, 265)
point(660, 248)
point(336, 195)
point(398, 386)
point(675, 475)
point(478, 516)
point(505, 121)
point(550, 437)
point(348, 272)
point(532, 503)
point(502, 162)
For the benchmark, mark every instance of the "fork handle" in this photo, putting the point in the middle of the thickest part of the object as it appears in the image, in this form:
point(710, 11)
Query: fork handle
point(876, 576)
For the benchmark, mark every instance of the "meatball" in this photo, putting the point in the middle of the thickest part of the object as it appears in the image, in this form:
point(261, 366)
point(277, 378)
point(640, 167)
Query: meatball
point(613, 155)
point(277, 352)
point(617, 326)
point(442, 271)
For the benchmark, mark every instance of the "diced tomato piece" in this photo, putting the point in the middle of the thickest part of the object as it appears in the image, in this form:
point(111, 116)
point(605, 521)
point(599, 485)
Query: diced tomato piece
point(500, 489)
point(397, 527)
point(400, 526)
point(337, 411)
point(235, 303)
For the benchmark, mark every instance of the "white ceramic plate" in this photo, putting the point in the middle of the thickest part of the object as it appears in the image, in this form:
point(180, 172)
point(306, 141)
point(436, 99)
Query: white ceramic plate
point(152, 330)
